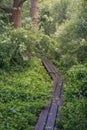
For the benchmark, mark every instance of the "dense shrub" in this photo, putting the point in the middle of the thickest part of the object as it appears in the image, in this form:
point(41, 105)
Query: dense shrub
point(59, 7)
point(4, 21)
point(45, 47)
point(82, 53)
point(67, 61)
point(23, 94)
point(74, 28)
point(47, 23)
point(70, 30)
point(76, 85)
point(23, 42)
point(17, 47)
point(5, 47)
point(74, 113)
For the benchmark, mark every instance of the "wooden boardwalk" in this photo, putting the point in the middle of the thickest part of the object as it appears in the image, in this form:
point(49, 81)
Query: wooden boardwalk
point(48, 116)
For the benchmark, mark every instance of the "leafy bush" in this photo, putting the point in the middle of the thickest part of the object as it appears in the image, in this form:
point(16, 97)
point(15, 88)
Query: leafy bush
point(65, 55)
point(45, 47)
point(82, 53)
point(23, 41)
point(17, 47)
point(74, 113)
point(47, 23)
point(75, 25)
point(67, 31)
point(4, 20)
point(77, 81)
point(23, 96)
point(59, 7)
point(67, 61)
point(5, 47)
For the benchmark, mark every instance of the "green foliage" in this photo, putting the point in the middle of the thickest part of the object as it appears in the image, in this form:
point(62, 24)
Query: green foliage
point(46, 20)
point(71, 60)
point(74, 9)
point(72, 36)
point(17, 47)
point(65, 55)
point(4, 21)
point(23, 96)
point(75, 25)
point(59, 7)
point(69, 18)
point(5, 46)
point(23, 41)
point(5, 2)
point(26, 16)
point(45, 47)
point(70, 52)
point(82, 53)
point(74, 113)
point(66, 32)
point(7, 49)
point(53, 13)
point(76, 82)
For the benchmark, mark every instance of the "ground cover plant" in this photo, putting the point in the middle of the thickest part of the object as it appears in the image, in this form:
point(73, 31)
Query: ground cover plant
point(74, 112)
point(23, 94)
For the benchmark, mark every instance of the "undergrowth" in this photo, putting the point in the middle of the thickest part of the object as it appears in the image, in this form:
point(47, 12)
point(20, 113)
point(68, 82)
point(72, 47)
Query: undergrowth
point(23, 94)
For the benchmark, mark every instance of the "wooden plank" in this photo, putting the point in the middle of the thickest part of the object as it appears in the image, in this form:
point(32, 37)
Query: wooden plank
point(52, 72)
point(54, 69)
point(43, 118)
point(49, 69)
point(54, 108)
point(52, 116)
point(61, 103)
point(48, 115)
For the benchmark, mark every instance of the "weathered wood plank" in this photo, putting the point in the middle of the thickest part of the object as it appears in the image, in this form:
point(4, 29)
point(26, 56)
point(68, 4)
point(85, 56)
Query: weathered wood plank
point(48, 115)
point(43, 118)
point(52, 116)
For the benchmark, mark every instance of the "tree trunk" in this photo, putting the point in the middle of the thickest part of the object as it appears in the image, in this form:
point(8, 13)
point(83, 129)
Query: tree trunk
point(16, 14)
point(35, 13)
point(16, 18)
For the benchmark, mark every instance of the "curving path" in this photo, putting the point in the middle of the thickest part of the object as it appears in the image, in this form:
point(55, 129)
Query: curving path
point(48, 116)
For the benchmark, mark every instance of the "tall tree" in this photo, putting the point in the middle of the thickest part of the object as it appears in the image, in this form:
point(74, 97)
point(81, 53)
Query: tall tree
point(35, 13)
point(15, 11)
